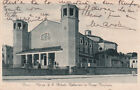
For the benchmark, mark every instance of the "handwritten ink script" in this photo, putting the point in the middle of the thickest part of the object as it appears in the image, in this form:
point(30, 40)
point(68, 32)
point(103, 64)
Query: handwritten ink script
point(120, 14)
point(112, 15)
point(110, 25)
point(28, 12)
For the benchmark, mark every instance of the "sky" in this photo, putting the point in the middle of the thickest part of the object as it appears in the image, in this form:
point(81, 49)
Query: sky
point(127, 40)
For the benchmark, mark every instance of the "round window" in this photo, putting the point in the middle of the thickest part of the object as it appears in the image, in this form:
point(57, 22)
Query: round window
point(100, 48)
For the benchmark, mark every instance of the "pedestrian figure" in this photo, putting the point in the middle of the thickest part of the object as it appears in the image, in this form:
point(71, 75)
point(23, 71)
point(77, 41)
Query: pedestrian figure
point(39, 66)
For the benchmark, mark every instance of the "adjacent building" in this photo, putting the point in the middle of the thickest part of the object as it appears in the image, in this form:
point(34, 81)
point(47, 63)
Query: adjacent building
point(7, 56)
point(102, 44)
point(132, 59)
point(111, 58)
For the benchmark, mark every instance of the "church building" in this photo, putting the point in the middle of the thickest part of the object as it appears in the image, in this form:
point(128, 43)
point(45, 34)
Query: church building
point(56, 44)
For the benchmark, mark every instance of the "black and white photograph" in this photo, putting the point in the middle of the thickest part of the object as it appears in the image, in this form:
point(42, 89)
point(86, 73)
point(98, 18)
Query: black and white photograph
point(75, 43)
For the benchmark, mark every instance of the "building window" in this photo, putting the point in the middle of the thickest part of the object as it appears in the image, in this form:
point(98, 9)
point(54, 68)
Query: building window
point(76, 14)
point(23, 26)
point(71, 11)
point(100, 48)
point(86, 43)
point(2, 55)
point(106, 56)
point(14, 25)
point(8, 56)
point(90, 45)
point(19, 25)
point(65, 12)
point(45, 36)
point(81, 40)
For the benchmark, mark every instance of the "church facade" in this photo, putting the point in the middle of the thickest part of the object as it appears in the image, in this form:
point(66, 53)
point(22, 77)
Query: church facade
point(56, 44)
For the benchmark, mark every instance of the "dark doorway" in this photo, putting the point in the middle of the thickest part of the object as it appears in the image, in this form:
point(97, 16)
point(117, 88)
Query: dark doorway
point(51, 59)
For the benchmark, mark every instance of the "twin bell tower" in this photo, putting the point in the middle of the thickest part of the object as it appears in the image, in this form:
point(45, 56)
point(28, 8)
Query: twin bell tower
point(69, 25)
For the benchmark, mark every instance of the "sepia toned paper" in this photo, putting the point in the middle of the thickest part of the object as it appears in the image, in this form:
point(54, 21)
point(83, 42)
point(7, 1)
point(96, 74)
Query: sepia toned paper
point(113, 20)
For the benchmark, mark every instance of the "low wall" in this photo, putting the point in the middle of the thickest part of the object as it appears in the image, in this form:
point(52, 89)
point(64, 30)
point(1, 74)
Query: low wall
point(104, 70)
point(76, 71)
point(33, 72)
point(110, 70)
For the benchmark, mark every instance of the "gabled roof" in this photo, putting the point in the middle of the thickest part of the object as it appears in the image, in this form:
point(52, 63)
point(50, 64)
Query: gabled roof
point(43, 22)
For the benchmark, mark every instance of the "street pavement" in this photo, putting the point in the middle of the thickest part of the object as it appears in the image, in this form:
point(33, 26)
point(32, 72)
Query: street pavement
point(120, 78)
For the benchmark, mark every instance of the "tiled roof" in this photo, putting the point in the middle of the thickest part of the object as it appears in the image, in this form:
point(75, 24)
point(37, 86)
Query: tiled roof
point(35, 50)
point(104, 41)
point(94, 36)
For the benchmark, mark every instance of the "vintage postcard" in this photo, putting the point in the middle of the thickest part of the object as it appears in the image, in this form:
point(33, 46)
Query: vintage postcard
point(84, 44)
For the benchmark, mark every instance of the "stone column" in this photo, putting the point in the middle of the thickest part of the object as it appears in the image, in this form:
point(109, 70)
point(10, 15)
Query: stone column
point(32, 59)
point(70, 70)
point(39, 58)
point(47, 58)
point(26, 57)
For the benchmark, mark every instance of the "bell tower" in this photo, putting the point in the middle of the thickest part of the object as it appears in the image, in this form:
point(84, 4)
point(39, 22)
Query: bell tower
point(20, 40)
point(70, 27)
